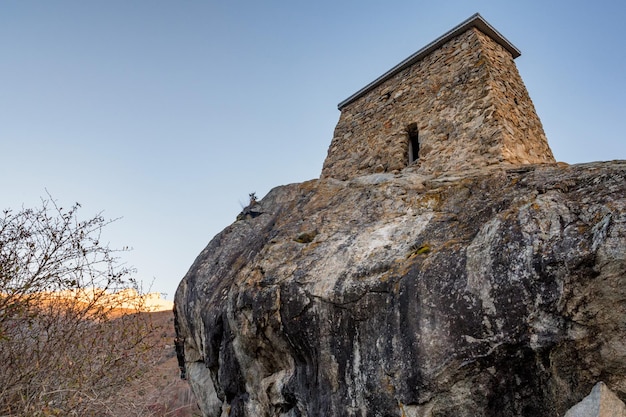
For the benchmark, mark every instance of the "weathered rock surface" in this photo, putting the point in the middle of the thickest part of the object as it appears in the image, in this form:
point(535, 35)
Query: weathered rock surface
point(601, 402)
point(499, 292)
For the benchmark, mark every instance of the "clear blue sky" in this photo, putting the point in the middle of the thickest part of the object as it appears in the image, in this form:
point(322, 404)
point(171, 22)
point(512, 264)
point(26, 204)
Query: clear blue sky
point(168, 113)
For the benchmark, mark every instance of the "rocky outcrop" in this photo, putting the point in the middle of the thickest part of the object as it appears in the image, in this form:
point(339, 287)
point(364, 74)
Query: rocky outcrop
point(601, 402)
point(498, 292)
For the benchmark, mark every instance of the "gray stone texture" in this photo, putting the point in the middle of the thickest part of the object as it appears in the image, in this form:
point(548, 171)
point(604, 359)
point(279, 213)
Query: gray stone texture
point(501, 292)
point(601, 402)
point(470, 105)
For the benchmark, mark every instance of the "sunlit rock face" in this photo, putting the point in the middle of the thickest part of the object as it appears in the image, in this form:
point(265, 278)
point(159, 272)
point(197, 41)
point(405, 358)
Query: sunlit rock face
point(494, 292)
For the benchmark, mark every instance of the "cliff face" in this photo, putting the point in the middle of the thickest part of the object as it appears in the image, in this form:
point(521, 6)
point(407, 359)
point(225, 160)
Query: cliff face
point(499, 292)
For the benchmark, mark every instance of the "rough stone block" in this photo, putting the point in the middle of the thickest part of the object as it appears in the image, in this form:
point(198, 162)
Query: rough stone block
point(601, 402)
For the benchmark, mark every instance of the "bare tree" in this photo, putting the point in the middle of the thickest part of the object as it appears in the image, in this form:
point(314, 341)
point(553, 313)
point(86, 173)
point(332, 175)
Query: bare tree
point(71, 335)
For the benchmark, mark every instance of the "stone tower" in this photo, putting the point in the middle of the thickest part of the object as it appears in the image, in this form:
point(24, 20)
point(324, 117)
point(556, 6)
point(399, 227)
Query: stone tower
point(456, 104)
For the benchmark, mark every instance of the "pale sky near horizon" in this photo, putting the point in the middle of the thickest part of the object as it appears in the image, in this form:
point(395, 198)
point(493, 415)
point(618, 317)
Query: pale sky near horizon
point(169, 113)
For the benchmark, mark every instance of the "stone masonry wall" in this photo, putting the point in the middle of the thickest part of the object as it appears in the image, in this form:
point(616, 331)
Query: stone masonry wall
point(524, 141)
point(471, 109)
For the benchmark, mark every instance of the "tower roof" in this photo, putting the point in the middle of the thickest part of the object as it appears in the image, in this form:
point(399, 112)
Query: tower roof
point(475, 20)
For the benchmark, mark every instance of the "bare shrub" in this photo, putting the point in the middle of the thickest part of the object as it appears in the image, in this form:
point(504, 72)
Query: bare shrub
point(67, 346)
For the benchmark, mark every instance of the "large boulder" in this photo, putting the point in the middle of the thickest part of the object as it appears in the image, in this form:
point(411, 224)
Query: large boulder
point(600, 402)
point(499, 292)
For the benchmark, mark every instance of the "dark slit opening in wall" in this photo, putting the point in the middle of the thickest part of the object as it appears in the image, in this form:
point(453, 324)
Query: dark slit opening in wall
point(414, 145)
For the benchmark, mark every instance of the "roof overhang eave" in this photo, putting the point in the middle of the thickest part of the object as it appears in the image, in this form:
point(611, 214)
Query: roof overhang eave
point(475, 20)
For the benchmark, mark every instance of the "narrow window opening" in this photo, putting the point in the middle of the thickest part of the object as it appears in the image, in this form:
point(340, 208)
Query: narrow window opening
point(414, 144)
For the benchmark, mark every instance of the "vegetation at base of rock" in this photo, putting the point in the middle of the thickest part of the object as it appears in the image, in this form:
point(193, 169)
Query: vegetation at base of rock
point(64, 353)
